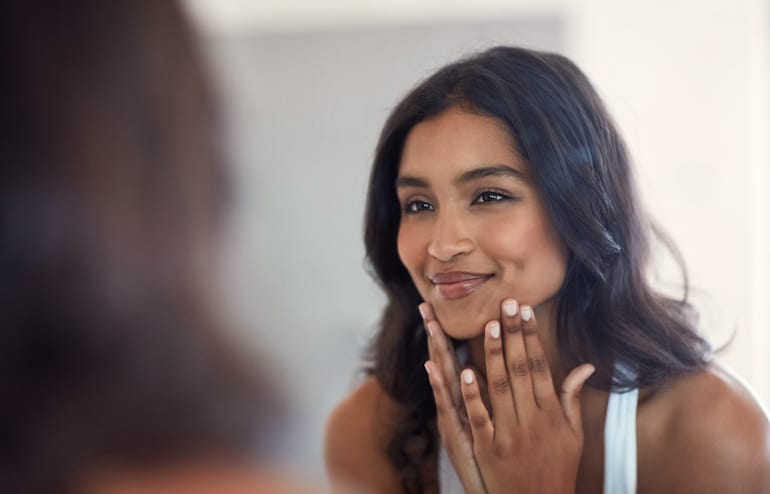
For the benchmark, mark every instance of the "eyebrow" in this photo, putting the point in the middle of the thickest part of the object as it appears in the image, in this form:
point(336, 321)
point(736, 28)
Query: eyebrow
point(489, 171)
point(469, 176)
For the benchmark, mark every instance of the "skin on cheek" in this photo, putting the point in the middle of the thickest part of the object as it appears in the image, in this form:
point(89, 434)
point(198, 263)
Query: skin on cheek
point(404, 246)
point(409, 245)
point(509, 245)
point(531, 257)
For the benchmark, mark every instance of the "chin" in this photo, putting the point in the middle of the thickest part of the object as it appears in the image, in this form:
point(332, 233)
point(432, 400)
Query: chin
point(464, 323)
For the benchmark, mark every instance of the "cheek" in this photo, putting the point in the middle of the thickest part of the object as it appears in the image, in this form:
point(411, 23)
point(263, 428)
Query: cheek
point(531, 254)
point(555, 253)
point(508, 241)
point(409, 248)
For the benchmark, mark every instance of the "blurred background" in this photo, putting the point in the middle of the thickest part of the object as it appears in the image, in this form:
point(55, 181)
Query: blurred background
point(307, 86)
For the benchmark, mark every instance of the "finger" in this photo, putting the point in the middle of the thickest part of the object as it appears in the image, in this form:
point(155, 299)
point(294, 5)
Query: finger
point(516, 361)
point(478, 416)
point(445, 358)
point(570, 396)
point(540, 371)
point(451, 367)
point(484, 390)
point(498, 384)
point(428, 314)
point(449, 424)
point(453, 433)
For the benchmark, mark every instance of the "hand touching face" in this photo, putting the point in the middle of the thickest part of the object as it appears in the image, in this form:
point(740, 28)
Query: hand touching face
point(473, 228)
point(523, 437)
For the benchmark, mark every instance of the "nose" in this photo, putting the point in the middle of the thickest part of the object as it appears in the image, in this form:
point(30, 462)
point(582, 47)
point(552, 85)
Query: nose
point(450, 237)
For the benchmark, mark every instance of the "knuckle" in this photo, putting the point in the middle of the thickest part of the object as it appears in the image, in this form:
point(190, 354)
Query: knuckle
point(529, 327)
point(538, 364)
point(577, 394)
point(520, 368)
point(496, 350)
point(501, 385)
point(513, 328)
point(566, 391)
point(470, 395)
point(477, 421)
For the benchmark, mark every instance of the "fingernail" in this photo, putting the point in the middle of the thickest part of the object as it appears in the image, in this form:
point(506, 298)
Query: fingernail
point(494, 330)
point(468, 376)
point(429, 329)
point(510, 307)
point(427, 369)
point(590, 372)
point(422, 311)
point(526, 313)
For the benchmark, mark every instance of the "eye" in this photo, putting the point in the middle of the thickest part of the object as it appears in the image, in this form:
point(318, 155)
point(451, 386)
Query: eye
point(414, 207)
point(486, 196)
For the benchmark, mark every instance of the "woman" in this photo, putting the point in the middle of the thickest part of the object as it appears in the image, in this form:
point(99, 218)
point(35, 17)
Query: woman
point(503, 224)
point(115, 372)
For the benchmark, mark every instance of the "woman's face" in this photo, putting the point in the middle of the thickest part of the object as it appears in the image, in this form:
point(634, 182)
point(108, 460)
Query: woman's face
point(473, 228)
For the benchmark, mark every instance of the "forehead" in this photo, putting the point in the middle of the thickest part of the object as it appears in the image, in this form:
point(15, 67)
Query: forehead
point(456, 141)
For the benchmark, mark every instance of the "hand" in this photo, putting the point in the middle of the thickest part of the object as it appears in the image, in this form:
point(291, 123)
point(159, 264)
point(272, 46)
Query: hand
point(454, 430)
point(532, 441)
point(535, 440)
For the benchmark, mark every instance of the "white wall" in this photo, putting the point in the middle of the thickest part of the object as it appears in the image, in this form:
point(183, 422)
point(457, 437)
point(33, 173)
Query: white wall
point(686, 80)
point(304, 112)
point(688, 84)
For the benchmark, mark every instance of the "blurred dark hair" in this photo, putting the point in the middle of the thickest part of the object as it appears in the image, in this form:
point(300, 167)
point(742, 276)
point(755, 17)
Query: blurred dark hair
point(607, 310)
point(111, 189)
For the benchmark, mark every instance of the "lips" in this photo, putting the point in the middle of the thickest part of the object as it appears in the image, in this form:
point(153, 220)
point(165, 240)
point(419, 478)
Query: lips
point(455, 285)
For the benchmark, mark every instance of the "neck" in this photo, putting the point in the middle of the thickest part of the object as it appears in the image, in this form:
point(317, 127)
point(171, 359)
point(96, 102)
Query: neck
point(545, 314)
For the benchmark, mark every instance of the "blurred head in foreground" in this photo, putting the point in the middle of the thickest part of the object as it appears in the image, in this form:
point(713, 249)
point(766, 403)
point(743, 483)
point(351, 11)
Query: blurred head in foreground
point(111, 190)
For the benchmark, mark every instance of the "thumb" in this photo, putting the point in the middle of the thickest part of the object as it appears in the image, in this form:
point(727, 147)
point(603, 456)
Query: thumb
point(570, 395)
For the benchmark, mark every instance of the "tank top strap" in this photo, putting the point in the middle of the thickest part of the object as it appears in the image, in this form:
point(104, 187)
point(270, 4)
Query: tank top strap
point(620, 443)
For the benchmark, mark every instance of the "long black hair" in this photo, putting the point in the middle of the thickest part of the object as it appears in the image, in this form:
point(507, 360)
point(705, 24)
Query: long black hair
point(607, 310)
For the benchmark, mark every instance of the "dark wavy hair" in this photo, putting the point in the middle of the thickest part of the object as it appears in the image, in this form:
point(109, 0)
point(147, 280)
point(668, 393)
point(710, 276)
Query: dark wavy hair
point(607, 310)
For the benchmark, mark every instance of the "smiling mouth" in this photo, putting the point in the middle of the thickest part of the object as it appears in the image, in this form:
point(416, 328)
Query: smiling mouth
point(453, 286)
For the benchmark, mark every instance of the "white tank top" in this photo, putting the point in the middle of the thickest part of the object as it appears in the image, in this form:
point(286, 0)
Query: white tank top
point(619, 449)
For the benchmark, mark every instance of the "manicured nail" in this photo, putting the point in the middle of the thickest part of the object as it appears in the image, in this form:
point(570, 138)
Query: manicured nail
point(429, 328)
point(526, 313)
point(589, 372)
point(427, 368)
point(422, 311)
point(494, 330)
point(468, 376)
point(510, 307)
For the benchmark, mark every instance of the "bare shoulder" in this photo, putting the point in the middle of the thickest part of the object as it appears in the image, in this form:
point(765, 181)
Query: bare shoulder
point(220, 476)
point(709, 435)
point(357, 433)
